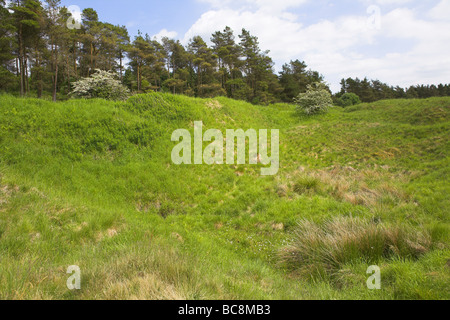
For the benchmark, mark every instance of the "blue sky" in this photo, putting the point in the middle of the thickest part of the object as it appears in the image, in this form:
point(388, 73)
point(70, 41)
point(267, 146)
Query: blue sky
point(401, 42)
point(148, 16)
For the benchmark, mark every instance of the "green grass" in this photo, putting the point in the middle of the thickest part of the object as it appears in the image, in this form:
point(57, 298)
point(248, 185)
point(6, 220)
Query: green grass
point(91, 183)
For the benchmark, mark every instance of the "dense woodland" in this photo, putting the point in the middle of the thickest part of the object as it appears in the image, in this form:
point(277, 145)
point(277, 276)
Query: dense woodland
point(42, 56)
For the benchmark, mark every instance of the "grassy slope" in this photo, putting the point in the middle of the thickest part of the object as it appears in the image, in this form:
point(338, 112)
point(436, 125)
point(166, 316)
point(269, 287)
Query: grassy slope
point(91, 183)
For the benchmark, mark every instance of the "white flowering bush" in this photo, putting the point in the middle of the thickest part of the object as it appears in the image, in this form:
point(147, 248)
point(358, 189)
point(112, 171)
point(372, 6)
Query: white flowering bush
point(101, 84)
point(317, 99)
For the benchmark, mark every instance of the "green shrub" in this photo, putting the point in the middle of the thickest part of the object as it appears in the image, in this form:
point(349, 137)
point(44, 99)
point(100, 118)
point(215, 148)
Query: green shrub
point(316, 100)
point(100, 85)
point(348, 100)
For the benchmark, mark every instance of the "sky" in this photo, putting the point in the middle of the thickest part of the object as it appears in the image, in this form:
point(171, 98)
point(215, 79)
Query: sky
point(399, 42)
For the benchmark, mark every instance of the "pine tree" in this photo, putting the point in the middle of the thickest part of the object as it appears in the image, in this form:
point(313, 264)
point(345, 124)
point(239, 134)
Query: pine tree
point(26, 15)
point(203, 62)
point(7, 47)
point(294, 79)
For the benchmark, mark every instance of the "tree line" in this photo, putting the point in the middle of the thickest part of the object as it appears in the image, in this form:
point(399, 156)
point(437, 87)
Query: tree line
point(42, 55)
point(373, 90)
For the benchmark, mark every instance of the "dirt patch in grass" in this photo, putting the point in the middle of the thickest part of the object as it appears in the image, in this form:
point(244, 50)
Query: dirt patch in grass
point(6, 193)
point(213, 104)
point(160, 204)
point(278, 226)
point(108, 234)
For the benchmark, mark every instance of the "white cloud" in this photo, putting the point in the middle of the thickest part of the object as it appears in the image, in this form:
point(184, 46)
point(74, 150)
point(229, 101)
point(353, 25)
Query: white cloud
point(165, 33)
point(386, 2)
point(392, 2)
point(441, 11)
point(344, 46)
point(7, 3)
point(131, 24)
point(264, 5)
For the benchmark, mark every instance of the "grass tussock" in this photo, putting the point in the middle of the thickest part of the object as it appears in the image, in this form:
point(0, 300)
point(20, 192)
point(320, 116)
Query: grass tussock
point(320, 250)
point(306, 184)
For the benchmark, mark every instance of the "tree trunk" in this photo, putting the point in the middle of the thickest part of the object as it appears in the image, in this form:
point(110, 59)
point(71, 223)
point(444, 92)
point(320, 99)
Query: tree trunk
point(121, 66)
point(75, 59)
point(38, 75)
point(92, 60)
point(68, 73)
point(55, 84)
point(20, 43)
point(27, 86)
point(139, 78)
